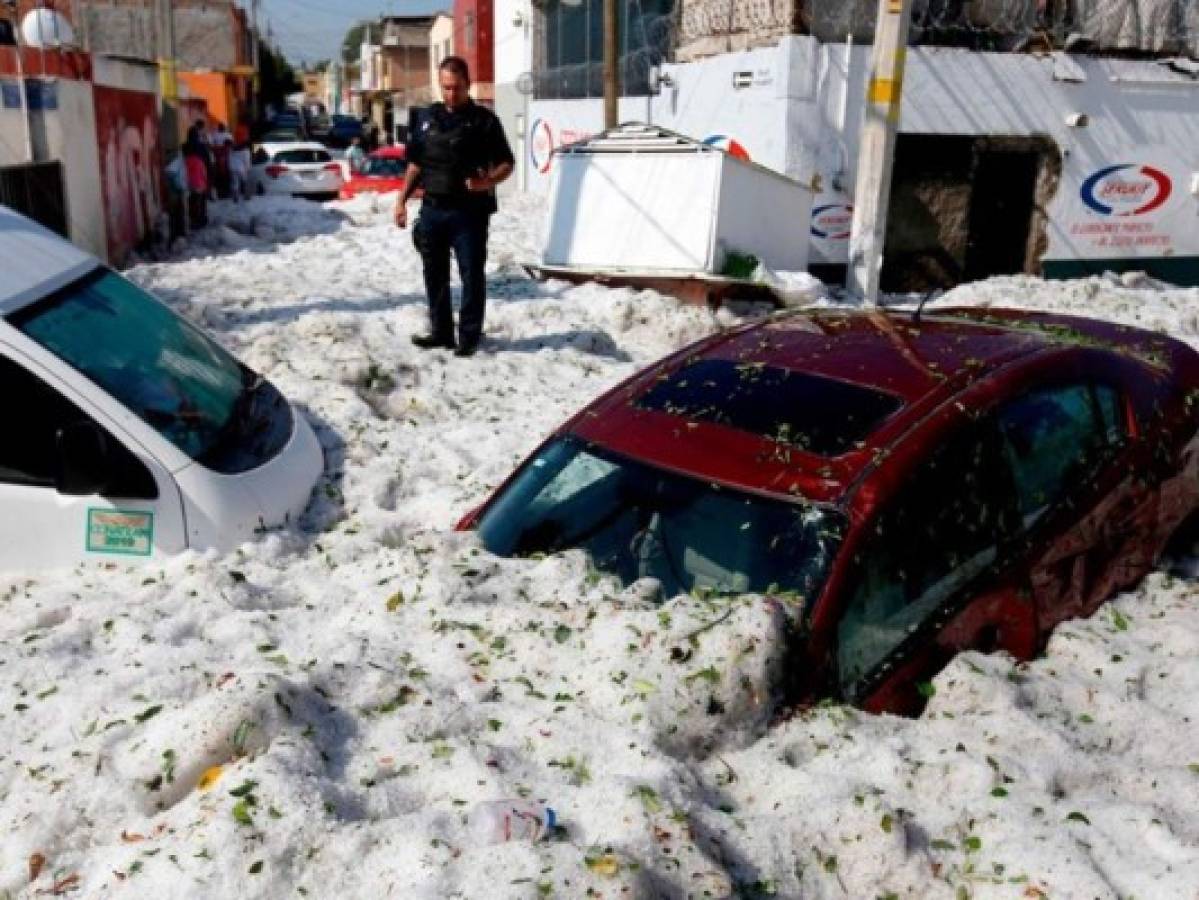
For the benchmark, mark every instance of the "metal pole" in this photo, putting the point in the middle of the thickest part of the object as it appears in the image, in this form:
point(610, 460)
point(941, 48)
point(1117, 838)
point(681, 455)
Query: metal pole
point(168, 73)
point(254, 89)
point(611, 73)
point(83, 24)
point(876, 148)
point(24, 97)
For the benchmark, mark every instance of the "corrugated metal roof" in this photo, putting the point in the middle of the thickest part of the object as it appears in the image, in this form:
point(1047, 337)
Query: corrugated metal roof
point(35, 261)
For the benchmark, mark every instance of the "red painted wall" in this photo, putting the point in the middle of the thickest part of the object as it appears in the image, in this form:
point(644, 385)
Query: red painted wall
point(127, 131)
point(71, 64)
point(474, 37)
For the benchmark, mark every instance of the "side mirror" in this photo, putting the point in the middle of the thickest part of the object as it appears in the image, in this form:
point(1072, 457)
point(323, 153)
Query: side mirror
point(83, 466)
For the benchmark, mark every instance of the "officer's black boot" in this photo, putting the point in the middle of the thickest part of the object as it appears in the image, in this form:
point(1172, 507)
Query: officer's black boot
point(433, 341)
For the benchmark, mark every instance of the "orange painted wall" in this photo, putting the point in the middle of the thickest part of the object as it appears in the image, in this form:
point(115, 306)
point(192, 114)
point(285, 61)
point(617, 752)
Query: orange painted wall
point(216, 89)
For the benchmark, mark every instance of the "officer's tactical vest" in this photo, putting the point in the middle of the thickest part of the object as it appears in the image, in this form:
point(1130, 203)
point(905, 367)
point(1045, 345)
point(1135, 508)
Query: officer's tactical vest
point(449, 157)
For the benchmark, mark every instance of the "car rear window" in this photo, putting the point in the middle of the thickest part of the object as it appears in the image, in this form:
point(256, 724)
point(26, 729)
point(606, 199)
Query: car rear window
point(385, 167)
point(815, 414)
point(298, 157)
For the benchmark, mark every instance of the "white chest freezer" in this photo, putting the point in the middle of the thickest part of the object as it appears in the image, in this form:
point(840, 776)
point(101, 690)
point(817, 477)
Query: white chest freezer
point(646, 199)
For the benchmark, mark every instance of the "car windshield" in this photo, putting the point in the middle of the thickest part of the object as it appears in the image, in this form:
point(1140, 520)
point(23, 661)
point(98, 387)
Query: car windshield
point(384, 167)
point(163, 369)
point(637, 521)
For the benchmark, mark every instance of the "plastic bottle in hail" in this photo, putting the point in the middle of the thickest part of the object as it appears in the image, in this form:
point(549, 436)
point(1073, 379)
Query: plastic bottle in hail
point(499, 821)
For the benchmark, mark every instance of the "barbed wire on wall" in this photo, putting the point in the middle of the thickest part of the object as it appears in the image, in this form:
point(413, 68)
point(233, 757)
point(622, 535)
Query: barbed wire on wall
point(677, 30)
point(1146, 26)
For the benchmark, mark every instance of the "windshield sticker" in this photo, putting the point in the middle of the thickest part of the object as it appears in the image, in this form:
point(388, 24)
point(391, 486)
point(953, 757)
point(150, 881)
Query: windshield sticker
point(123, 531)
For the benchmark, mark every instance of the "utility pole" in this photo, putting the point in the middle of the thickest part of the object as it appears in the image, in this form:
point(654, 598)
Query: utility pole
point(611, 70)
point(876, 148)
point(168, 76)
point(256, 86)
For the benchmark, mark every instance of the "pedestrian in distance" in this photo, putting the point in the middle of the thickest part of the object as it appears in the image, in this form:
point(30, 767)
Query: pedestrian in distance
point(356, 154)
point(197, 187)
point(239, 171)
point(222, 149)
point(197, 163)
point(197, 144)
point(457, 153)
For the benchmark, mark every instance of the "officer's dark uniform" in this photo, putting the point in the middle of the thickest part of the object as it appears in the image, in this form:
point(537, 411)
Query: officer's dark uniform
point(450, 146)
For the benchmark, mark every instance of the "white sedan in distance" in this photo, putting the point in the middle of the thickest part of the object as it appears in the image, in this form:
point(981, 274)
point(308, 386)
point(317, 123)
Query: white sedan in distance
point(302, 169)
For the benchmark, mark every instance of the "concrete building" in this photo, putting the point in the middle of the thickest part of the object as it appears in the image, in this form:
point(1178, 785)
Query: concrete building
point(441, 45)
point(315, 86)
point(1030, 161)
point(513, 21)
point(1049, 164)
point(475, 41)
point(82, 153)
point(397, 68)
point(213, 41)
point(407, 52)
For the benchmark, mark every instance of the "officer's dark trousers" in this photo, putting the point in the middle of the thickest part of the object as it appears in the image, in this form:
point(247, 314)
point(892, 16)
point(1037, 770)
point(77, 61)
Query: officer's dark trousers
point(437, 231)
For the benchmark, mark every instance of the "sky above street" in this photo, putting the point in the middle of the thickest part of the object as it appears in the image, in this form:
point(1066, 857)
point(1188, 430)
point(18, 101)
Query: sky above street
point(309, 30)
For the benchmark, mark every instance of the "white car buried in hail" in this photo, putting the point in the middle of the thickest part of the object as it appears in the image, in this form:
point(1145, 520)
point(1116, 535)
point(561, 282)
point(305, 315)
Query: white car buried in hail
point(301, 169)
point(131, 434)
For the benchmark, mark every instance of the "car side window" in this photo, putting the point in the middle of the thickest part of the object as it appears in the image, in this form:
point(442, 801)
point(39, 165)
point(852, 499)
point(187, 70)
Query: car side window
point(260, 156)
point(29, 451)
point(940, 531)
point(1053, 438)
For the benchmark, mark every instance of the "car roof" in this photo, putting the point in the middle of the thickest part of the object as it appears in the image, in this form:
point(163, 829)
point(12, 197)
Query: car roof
point(36, 261)
point(909, 366)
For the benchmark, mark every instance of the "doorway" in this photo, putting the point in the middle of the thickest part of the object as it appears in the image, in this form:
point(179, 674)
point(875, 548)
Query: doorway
point(965, 208)
point(1001, 211)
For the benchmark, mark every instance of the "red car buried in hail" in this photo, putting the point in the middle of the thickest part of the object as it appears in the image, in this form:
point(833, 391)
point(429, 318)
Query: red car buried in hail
point(382, 171)
point(915, 486)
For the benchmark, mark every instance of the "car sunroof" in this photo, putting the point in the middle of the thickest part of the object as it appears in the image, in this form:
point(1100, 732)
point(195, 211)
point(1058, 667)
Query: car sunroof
point(809, 412)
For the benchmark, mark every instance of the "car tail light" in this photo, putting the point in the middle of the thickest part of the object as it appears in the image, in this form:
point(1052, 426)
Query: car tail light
point(275, 171)
point(332, 167)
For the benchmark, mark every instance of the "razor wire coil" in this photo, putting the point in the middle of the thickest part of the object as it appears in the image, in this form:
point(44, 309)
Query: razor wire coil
point(683, 29)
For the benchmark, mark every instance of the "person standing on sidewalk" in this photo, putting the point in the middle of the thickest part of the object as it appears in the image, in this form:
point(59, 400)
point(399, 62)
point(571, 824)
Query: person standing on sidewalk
point(458, 153)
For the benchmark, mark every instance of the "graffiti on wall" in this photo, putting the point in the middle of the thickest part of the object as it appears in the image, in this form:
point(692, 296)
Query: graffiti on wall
point(130, 167)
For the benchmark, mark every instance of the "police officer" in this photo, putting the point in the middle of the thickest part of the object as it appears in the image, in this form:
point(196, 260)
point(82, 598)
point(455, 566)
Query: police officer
point(458, 153)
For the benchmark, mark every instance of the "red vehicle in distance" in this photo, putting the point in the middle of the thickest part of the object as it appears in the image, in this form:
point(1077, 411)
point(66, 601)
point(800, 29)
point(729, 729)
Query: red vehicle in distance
point(910, 487)
point(383, 171)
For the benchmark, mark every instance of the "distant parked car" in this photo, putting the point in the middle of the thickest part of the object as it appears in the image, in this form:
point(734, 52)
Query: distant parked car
point(909, 487)
point(133, 435)
point(343, 129)
point(282, 136)
point(299, 169)
point(383, 171)
point(290, 119)
point(318, 128)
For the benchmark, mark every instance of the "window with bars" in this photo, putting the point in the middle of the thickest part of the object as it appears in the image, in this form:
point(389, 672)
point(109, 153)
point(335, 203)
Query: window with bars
point(570, 46)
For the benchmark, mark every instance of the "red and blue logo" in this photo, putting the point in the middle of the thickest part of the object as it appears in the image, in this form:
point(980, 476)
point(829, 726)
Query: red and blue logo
point(728, 145)
point(541, 145)
point(833, 221)
point(1127, 189)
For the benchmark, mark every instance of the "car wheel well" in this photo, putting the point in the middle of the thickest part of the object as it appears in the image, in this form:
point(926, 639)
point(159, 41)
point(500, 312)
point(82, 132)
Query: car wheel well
point(1182, 547)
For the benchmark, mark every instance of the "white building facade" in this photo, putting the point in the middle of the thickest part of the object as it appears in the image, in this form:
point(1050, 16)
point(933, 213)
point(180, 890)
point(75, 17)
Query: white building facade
point(513, 24)
point(1049, 163)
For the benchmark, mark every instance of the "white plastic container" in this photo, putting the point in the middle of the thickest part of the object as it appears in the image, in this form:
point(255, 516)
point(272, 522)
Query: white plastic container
point(645, 199)
point(501, 821)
